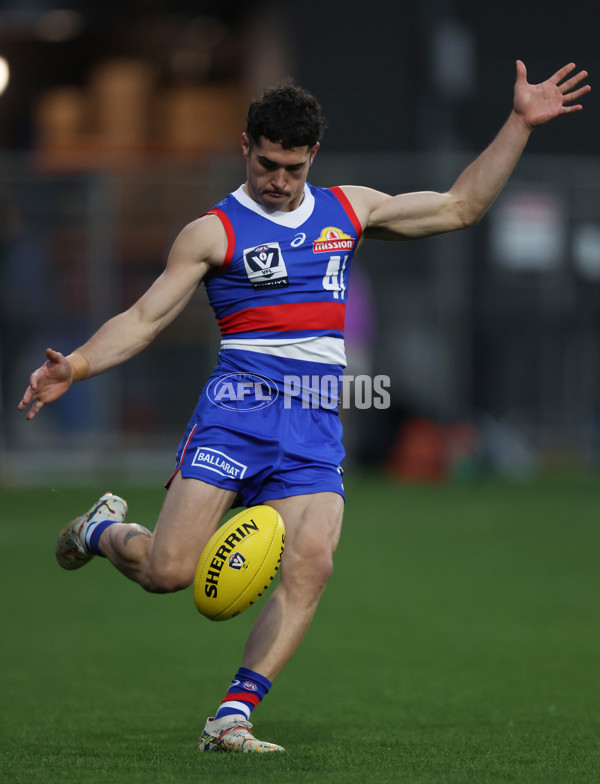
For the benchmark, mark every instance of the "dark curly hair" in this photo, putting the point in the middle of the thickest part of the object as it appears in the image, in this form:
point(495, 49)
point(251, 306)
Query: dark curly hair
point(286, 114)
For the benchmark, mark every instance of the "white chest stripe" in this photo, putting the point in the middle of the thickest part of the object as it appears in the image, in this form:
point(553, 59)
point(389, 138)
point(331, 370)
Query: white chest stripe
point(325, 350)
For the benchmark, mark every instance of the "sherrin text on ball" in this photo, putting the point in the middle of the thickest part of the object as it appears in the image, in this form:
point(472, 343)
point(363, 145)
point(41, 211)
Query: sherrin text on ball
point(239, 563)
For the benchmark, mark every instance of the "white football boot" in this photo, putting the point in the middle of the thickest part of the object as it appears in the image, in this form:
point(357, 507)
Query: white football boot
point(71, 551)
point(233, 733)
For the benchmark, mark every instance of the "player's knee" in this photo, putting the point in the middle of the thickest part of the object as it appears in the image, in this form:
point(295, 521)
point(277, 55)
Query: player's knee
point(307, 572)
point(165, 577)
point(320, 566)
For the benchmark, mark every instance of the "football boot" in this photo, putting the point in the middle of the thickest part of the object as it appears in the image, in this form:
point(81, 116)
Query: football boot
point(233, 733)
point(71, 551)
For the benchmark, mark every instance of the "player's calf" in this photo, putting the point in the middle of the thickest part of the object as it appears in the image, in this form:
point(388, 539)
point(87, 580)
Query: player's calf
point(166, 576)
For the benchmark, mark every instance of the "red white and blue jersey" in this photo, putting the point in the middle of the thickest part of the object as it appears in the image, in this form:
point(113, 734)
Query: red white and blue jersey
point(280, 296)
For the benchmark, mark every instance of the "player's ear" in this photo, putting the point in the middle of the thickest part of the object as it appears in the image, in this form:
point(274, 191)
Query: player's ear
point(245, 144)
point(313, 152)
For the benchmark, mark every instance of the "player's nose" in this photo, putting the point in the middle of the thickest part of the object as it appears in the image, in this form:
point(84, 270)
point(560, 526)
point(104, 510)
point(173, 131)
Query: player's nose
point(279, 180)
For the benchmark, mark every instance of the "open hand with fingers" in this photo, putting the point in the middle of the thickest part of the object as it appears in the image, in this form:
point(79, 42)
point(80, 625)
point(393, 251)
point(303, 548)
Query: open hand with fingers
point(47, 383)
point(535, 104)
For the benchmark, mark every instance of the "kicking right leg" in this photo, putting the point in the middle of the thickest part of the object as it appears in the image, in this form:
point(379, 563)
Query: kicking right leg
point(161, 561)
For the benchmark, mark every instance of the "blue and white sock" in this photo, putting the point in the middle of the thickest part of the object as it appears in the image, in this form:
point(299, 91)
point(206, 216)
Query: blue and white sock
point(93, 533)
point(246, 691)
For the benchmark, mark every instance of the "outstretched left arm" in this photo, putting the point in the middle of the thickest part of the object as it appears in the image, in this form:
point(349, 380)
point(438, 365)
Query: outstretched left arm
point(422, 214)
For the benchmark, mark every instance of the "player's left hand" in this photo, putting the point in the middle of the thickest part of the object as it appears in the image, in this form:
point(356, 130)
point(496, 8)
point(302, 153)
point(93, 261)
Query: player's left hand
point(535, 104)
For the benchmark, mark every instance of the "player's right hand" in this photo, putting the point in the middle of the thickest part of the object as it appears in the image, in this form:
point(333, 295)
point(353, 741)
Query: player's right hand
point(47, 383)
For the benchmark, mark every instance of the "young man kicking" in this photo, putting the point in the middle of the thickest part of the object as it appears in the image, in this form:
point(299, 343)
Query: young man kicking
point(275, 258)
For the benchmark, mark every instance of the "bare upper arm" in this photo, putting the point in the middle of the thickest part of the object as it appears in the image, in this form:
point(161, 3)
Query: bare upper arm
point(405, 216)
point(200, 246)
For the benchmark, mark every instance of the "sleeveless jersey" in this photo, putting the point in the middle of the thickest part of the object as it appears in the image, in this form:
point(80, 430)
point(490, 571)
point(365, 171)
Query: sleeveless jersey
point(280, 296)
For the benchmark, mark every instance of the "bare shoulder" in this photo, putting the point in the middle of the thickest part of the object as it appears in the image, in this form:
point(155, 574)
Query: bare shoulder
point(364, 201)
point(403, 216)
point(201, 240)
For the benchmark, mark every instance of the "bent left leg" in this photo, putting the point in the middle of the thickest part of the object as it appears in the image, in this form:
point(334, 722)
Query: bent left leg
point(313, 525)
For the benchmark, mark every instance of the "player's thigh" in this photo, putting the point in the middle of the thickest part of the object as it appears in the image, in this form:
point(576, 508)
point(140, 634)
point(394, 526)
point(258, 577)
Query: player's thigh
point(313, 524)
point(190, 515)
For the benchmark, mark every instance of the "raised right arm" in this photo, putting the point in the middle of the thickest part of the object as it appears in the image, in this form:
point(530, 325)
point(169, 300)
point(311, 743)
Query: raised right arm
point(201, 245)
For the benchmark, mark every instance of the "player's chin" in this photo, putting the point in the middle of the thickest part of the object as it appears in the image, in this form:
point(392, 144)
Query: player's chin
point(275, 198)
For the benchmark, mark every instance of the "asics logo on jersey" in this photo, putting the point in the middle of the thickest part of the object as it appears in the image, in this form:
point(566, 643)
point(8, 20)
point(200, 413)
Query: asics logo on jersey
point(265, 266)
point(298, 240)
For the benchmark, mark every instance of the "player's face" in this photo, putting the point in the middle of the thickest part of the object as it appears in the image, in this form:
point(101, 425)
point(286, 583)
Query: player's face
point(276, 176)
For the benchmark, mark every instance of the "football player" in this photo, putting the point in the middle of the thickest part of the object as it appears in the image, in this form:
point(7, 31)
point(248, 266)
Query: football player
point(275, 257)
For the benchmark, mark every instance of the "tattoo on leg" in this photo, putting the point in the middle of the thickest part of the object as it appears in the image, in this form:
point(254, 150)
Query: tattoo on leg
point(135, 532)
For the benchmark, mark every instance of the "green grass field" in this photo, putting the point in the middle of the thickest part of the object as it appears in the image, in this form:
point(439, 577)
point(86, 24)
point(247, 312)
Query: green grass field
point(459, 641)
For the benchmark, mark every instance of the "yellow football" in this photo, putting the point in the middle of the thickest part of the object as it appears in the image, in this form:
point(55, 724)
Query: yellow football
point(239, 563)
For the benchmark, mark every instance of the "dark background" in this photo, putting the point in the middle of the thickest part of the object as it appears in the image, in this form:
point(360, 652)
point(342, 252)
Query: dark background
point(371, 64)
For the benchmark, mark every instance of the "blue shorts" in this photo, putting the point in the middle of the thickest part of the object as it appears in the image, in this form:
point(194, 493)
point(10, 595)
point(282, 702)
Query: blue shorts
point(280, 450)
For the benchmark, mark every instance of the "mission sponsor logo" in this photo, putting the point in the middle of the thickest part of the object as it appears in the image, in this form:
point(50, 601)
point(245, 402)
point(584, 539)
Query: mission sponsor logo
point(265, 266)
point(333, 239)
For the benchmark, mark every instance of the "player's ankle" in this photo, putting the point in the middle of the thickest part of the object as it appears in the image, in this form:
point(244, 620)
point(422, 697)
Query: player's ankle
point(246, 691)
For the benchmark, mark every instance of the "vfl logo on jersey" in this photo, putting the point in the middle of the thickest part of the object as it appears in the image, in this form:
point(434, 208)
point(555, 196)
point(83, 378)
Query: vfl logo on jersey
point(265, 266)
point(333, 239)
